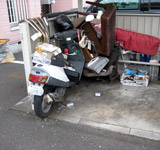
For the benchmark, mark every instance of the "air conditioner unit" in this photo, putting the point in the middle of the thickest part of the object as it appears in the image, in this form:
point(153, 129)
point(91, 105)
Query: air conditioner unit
point(47, 2)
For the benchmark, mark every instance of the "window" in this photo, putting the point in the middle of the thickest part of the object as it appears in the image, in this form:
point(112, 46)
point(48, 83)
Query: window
point(123, 4)
point(17, 10)
point(155, 4)
point(12, 11)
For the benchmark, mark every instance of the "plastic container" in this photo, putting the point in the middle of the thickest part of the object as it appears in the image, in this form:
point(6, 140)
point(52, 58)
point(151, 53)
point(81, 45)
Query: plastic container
point(142, 58)
point(69, 105)
point(97, 94)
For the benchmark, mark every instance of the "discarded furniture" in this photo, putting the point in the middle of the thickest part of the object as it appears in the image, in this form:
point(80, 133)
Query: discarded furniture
point(106, 43)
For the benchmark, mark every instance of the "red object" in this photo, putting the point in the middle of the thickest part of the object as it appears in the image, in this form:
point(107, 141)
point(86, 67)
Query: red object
point(137, 42)
point(39, 79)
point(35, 78)
point(66, 51)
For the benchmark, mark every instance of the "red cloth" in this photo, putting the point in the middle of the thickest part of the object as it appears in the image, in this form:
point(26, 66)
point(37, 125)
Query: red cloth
point(138, 42)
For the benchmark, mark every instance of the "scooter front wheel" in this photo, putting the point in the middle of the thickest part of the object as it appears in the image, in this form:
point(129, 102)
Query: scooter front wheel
point(42, 107)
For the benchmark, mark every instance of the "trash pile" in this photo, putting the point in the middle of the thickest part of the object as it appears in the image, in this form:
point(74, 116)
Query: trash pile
point(80, 47)
point(135, 77)
point(44, 53)
point(98, 42)
point(99, 50)
point(141, 48)
point(97, 64)
point(5, 54)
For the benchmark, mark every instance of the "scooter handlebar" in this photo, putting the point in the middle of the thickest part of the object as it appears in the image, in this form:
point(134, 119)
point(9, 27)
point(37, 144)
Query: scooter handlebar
point(68, 34)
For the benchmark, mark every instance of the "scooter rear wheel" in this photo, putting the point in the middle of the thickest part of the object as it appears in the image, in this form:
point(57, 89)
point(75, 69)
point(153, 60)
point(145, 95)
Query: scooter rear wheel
point(41, 107)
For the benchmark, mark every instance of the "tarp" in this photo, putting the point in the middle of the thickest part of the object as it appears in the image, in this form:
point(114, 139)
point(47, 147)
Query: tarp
point(137, 42)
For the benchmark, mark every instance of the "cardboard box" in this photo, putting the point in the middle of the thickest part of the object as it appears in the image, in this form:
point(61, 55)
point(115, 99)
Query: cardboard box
point(135, 77)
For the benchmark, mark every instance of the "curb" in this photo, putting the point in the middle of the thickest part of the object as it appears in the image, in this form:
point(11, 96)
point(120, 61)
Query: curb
point(114, 128)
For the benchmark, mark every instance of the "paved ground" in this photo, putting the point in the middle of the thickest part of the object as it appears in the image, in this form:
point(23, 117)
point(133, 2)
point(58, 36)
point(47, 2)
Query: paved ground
point(128, 110)
point(20, 130)
point(123, 109)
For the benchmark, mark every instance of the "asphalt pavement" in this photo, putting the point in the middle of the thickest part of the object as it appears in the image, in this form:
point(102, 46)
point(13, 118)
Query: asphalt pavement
point(22, 131)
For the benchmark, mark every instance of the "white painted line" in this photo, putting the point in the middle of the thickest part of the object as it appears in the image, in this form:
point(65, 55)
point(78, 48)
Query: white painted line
point(18, 62)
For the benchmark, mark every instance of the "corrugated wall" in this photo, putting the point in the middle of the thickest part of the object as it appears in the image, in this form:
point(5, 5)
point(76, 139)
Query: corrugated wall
point(147, 24)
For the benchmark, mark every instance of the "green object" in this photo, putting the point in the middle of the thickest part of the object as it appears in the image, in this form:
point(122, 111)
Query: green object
point(78, 51)
point(123, 4)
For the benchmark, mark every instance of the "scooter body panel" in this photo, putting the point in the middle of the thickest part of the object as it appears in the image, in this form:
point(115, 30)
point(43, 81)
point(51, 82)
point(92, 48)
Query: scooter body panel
point(56, 75)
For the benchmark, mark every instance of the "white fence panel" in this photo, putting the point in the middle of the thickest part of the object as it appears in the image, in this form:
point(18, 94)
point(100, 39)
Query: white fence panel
point(146, 23)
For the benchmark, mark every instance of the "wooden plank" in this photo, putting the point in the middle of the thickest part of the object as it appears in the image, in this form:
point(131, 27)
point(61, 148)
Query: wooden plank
point(127, 22)
point(159, 29)
point(116, 21)
point(120, 23)
point(134, 23)
point(155, 26)
point(141, 24)
point(148, 25)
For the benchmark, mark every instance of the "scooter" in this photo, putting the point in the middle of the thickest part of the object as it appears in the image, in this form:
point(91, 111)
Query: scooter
point(49, 81)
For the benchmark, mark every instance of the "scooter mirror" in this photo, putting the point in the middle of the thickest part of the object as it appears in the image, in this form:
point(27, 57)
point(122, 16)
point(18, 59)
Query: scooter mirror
point(89, 18)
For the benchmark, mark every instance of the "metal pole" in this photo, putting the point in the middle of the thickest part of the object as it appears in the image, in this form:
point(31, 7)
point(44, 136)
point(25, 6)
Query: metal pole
point(10, 12)
point(21, 8)
point(13, 11)
point(19, 12)
point(26, 8)
point(15, 5)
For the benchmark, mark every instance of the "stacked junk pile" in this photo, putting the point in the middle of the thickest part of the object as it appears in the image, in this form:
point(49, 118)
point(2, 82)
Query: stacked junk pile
point(80, 47)
point(139, 47)
point(96, 40)
point(77, 51)
point(101, 43)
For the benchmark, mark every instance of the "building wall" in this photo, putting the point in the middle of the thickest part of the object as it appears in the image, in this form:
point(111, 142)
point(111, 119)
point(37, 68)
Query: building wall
point(5, 31)
point(75, 3)
point(61, 5)
point(34, 10)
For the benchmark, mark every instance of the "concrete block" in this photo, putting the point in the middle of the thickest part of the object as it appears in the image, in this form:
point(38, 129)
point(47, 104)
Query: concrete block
point(25, 105)
point(145, 134)
point(104, 126)
point(69, 119)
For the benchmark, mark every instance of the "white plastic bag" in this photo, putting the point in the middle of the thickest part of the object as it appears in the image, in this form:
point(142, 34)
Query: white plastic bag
point(40, 58)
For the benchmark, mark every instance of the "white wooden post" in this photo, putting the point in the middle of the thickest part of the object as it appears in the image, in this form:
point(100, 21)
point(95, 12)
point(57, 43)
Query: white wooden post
point(26, 49)
point(80, 5)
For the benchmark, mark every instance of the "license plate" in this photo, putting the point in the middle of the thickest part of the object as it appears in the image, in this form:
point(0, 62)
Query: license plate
point(35, 90)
